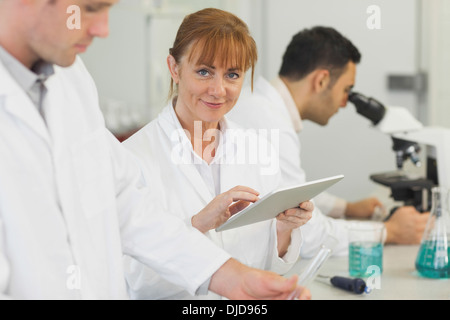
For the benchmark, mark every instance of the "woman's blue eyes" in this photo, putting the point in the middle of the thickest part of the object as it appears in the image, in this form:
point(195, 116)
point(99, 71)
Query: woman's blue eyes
point(232, 75)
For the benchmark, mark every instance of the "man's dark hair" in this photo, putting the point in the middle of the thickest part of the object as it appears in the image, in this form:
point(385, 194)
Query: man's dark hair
point(318, 47)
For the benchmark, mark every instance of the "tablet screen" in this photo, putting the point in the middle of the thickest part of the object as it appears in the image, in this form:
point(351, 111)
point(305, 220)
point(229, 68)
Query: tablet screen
point(277, 201)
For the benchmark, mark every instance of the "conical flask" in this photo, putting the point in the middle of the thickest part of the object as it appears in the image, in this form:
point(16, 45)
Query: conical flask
point(432, 259)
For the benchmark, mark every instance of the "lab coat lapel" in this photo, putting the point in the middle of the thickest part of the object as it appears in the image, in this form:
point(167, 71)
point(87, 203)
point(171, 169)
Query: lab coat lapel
point(193, 177)
point(180, 142)
point(16, 102)
point(58, 110)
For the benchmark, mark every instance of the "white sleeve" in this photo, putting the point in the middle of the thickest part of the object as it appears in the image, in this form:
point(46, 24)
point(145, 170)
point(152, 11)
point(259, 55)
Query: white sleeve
point(163, 242)
point(331, 205)
point(321, 229)
point(285, 263)
point(4, 266)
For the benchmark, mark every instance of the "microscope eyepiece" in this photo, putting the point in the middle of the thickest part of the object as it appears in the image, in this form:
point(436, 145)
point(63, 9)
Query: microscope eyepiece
point(367, 107)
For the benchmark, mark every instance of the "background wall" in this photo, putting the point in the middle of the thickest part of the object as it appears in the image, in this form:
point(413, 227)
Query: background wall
point(130, 69)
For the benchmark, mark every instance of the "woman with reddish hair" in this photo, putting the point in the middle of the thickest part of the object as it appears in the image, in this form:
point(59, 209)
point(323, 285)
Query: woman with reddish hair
point(197, 155)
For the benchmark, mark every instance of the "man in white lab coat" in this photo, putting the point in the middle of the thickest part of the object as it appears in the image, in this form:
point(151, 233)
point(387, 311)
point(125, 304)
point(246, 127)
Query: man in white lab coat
point(72, 199)
point(316, 76)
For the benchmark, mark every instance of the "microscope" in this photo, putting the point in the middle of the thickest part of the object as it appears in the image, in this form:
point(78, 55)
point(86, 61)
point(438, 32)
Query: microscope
point(426, 147)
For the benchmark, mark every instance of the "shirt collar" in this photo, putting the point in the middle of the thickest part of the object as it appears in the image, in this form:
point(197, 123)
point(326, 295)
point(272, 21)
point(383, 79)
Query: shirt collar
point(25, 77)
point(43, 70)
point(283, 90)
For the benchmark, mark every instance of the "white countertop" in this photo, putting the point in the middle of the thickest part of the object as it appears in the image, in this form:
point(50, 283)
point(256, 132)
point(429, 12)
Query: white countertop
point(399, 279)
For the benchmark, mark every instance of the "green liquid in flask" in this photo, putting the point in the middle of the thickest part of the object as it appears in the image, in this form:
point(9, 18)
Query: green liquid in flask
point(362, 256)
point(432, 259)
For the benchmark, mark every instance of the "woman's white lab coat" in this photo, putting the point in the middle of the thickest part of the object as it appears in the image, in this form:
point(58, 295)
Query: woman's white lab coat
point(184, 193)
point(72, 202)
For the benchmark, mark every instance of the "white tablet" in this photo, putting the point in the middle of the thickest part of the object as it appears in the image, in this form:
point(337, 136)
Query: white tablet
point(277, 201)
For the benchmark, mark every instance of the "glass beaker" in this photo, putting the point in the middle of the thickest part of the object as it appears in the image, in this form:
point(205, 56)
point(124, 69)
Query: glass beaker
point(432, 259)
point(365, 248)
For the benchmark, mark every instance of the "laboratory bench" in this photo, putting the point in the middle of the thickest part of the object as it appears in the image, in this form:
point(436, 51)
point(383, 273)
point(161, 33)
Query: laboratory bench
point(399, 279)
